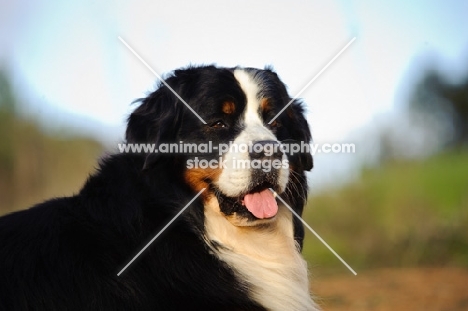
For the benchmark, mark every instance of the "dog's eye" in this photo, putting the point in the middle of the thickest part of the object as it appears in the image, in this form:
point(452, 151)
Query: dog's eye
point(218, 124)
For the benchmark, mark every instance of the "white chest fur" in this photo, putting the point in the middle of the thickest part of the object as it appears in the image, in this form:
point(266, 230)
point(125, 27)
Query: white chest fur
point(266, 257)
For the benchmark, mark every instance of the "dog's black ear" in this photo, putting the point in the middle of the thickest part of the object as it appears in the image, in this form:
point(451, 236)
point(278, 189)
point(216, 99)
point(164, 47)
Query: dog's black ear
point(156, 119)
point(300, 132)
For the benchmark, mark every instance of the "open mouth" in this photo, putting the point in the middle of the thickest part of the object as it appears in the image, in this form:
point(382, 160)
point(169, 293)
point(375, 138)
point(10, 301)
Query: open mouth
point(261, 204)
point(258, 203)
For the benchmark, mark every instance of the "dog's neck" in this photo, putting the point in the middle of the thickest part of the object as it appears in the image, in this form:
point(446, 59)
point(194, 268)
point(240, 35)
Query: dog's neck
point(266, 256)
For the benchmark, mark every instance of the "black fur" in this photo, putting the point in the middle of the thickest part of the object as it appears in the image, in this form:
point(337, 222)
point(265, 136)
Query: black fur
point(64, 254)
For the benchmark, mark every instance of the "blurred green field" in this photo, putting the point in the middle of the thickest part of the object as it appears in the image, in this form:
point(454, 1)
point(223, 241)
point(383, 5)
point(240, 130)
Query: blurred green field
point(38, 164)
point(405, 213)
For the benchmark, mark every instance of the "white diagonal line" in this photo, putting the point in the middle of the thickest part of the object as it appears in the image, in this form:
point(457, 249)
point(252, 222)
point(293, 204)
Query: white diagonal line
point(159, 77)
point(313, 231)
point(313, 79)
point(160, 232)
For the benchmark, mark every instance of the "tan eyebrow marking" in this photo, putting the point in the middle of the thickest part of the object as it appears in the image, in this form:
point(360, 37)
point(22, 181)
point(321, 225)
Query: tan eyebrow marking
point(228, 107)
point(265, 105)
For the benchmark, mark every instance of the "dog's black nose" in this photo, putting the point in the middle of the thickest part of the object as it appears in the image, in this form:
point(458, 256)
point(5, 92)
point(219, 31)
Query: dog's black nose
point(266, 150)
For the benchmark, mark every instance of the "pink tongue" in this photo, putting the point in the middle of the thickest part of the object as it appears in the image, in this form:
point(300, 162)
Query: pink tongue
point(261, 204)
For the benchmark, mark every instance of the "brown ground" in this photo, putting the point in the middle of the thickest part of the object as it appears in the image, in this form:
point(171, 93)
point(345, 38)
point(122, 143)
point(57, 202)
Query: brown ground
point(427, 289)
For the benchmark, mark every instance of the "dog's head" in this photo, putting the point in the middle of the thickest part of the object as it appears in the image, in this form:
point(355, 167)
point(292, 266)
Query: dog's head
point(238, 154)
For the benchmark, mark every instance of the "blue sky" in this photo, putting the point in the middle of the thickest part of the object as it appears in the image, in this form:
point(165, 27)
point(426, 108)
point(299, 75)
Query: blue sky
point(68, 56)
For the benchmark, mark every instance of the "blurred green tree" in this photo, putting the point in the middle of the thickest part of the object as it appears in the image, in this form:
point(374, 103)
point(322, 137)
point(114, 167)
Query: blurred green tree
point(445, 103)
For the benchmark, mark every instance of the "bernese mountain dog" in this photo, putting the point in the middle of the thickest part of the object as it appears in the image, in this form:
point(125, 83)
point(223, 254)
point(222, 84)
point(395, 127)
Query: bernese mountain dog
point(235, 247)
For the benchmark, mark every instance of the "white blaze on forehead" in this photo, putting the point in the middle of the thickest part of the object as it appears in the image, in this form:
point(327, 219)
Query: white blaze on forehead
point(254, 127)
point(251, 90)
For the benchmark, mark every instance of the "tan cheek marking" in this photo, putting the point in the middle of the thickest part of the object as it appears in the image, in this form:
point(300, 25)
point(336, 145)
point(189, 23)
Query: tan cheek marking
point(198, 178)
point(292, 170)
point(229, 107)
